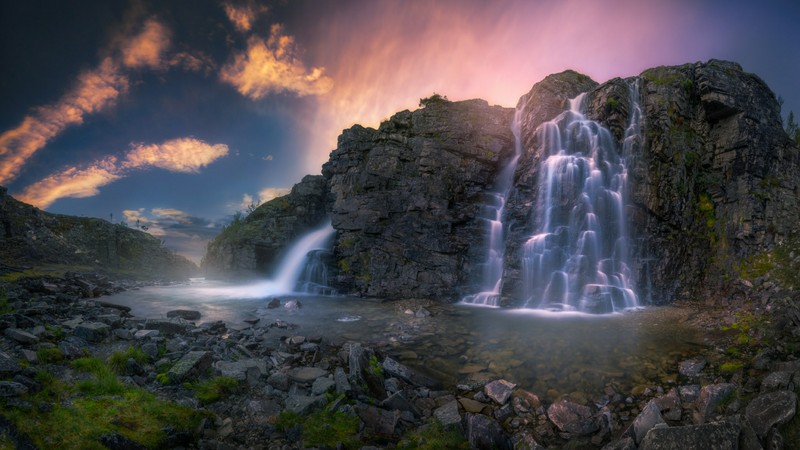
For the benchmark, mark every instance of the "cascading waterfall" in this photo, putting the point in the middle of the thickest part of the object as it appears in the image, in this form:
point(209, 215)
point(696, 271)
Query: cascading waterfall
point(295, 262)
point(314, 279)
point(492, 214)
point(578, 258)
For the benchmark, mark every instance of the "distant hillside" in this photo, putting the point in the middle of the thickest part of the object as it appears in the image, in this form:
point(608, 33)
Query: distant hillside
point(31, 239)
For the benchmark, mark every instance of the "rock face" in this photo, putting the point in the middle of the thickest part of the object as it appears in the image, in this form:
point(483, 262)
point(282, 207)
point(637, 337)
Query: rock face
point(31, 237)
point(713, 181)
point(252, 246)
point(406, 197)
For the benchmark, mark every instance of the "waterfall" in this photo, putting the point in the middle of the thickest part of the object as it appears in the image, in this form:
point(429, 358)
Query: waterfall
point(314, 279)
point(492, 215)
point(578, 259)
point(295, 262)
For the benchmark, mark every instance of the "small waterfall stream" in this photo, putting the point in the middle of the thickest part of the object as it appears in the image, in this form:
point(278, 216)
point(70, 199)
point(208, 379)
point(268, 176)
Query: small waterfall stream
point(578, 259)
point(296, 261)
point(492, 214)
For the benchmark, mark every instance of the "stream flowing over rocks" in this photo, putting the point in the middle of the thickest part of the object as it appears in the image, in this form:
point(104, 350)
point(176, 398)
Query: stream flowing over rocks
point(279, 371)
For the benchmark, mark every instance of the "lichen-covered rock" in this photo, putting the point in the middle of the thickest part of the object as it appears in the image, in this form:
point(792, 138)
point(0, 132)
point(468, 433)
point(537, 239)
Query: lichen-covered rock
point(406, 198)
point(712, 436)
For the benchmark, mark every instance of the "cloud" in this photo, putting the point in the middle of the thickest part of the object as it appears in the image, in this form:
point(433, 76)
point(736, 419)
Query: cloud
point(263, 196)
point(186, 155)
point(146, 48)
point(177, 155)
point(173, 214)
point(94, 91)
point(193, 62)
point(273, 66)
point(267, 158)
point(184, 233)
point(243, 16)
point(72, 182)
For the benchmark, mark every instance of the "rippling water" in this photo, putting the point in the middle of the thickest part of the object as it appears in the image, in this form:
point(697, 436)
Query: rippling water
point(551, 354)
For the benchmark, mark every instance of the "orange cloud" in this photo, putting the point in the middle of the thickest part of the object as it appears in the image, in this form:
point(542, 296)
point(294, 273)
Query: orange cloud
point(400, 52)
point(177, 155)
point(243, 16)
point(95, 90)
point(273, 66)
point(72, 182)
point(146, 48)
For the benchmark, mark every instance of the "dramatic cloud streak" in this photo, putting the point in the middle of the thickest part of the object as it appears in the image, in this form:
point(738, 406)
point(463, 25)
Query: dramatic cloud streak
point(187, 155)
point(94, 91)
point(273, 66)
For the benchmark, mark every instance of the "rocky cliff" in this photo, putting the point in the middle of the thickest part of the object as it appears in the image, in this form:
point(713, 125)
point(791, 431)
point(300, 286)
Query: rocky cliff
point(252, 246)
point(31, 238)
point(406, 197)
point(713, 185)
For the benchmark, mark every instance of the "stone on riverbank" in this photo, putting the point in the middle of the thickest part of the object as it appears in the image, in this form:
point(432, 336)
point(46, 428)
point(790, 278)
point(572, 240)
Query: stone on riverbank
point(190, 366)
point(771, 409)
point(711, 436)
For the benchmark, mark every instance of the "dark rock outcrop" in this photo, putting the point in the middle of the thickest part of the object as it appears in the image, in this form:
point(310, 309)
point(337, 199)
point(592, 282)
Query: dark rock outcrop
point(30, 237)
point(407, 195)
point(713, 182)
point(252, 246)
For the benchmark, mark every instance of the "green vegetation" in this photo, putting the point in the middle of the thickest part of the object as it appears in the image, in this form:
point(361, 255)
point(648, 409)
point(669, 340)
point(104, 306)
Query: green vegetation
point(780, 264)
point(82, 412)
point(612, 104)
point(792, 128)
point(432, 100)
point(118, 361)
point(433, 437)
point(344, 265)
point(375, 367)
point(323, 428)
point(5, 308)
point(49, 355)
point(731, 367)
point(162, 378)
point(213, 389)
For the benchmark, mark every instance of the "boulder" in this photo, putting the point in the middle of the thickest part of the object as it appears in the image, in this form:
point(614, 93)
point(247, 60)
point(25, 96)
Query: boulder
point(499, 390)
point(649, 418)
point(692, 367)
point(448, 415)
point(12, 389)
point(407, 374)
point(485, 433)
point(92, 331)
point(306, 375)
point(21, 336)
point(711, 436)
point(710, 398)
point(771, 409)
point(572, 418)
point(238, 369)
point(191, 365)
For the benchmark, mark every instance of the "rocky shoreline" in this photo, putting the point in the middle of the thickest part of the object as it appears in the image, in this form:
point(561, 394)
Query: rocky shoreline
point(276, 388)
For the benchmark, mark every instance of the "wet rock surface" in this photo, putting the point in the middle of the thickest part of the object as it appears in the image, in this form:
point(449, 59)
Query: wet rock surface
point(277, 373)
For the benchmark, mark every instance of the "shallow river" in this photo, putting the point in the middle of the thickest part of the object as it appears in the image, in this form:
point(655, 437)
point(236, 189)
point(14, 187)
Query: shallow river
point(551, 354)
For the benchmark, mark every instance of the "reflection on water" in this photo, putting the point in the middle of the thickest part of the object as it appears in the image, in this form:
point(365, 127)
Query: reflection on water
point(551, 354)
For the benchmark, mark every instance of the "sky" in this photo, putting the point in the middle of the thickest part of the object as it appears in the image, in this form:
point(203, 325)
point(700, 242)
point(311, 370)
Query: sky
point(173, 115)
